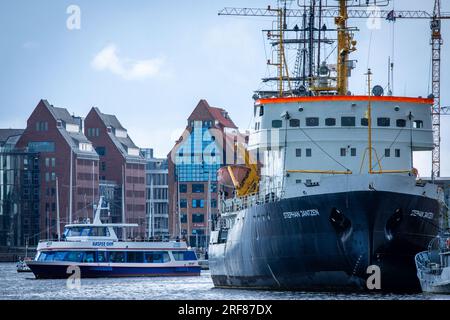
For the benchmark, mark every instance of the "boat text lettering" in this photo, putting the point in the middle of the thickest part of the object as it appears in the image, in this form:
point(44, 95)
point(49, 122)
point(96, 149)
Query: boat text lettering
point(301, 214)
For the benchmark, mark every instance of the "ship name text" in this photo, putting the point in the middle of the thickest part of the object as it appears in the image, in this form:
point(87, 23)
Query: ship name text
point(301, 214)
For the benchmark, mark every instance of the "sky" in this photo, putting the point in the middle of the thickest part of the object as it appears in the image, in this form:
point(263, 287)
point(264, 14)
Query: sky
point(149, 62)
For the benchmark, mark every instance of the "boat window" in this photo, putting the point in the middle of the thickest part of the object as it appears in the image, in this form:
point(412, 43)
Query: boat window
point(135, 257)
point(100, 232)
point(343, 152)
point(330, 122)
point(102, 256)
point(387, 153)
point(60, 256)
point(74, 256)
point(418, 124)
point(46, 256)
point(277, 123)
point(348, 121)
point(72, 232)
point(397, 153)
point(261, 111)
point(156, 257)
point(401, 123)
point(89, 257)
point(364, 122)
point(184, 255)
point(384, 122)
point(298, 153)
point(312, 122)
point(294, 123)
point(117, 256)
point(353, 152)
point(85, 232)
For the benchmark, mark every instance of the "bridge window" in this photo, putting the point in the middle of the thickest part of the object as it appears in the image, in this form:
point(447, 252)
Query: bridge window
point(418, 124)
point(308, 152)
point(330, 122)
point(298, 153)
point(277, 123)
point(401, 123)
point(384, 122)
point(343, 152)
point(294, 123)
point(348, 121)
point(397, 153)
point(261, 111)
point(312, 122)
point(353, 152)
point(364, 122)
point(387, 153)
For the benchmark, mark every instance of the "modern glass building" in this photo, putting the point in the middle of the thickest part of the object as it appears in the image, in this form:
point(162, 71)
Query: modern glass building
point(193, 165)
point(19, 198)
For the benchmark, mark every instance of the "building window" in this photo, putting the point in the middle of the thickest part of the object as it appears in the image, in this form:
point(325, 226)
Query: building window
point(330, 122)
point(418, 124)
point(312, 122)
point(213, 203)
point(298, 153)
point(277, 123)
point(198, 218)
point(308, 152)
point(103, 165)
point(343, 152)
point(198, 188)
point(261, 111)
point(387, 153)
point(183, 188)
point(42, 126)
point(183, 218)
point(183, 203)
point(348, 121)
point(294, 123)
point(353, 152)
point(364, 122)
point(384, 122)
point(53, 162)
point(401, 123)
point(47, 177)
point(47, 162)
point(42, 146)
point(198, 203)
point(397, 153)
point(101, 151)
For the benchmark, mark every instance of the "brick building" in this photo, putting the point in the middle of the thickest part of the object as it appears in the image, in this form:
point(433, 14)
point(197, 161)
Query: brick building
point(193, 163)
point(58, 138)
point(120, 160)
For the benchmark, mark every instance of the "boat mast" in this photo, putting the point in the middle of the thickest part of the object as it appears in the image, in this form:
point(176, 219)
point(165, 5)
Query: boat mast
point(71, 186)
point(369, 119)
point(58, 222)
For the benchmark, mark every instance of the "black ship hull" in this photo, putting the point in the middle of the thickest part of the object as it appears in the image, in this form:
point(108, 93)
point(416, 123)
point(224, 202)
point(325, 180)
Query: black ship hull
point(327, 242)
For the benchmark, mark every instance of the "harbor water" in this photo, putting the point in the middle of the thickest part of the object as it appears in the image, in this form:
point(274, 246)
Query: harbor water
point(23, 286)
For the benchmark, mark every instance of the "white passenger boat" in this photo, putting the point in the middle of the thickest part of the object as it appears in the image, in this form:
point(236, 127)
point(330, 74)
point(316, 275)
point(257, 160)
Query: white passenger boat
point(96, 250)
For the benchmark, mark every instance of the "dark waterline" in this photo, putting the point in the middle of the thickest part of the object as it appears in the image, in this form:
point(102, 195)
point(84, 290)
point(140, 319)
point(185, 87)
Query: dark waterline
point(23, 286)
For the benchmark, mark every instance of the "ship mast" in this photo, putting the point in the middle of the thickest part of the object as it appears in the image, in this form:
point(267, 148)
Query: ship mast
point(346, 45)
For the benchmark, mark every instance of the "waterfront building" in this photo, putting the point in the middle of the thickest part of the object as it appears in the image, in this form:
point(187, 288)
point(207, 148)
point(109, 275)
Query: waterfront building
point(19, 193)
point(121, 169)
point(68, 167)
point(157, 206)
point(193, 163)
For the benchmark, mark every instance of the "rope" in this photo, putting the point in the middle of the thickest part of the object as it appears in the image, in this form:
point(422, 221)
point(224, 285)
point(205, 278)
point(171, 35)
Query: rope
point(330, 156)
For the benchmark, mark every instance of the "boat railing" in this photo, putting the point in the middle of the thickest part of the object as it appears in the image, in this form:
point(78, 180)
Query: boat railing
point(255, 199)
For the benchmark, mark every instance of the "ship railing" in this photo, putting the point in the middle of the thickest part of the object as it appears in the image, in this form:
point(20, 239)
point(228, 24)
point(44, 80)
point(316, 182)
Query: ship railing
point(255, 199)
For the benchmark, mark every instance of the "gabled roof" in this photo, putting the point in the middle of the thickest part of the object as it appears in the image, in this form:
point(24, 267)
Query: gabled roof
point(109, 120)
point(60, 113)
point(121, 143)
point(203, 111)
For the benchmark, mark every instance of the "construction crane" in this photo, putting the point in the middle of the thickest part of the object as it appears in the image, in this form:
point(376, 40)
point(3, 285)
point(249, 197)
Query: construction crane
point(391, 15)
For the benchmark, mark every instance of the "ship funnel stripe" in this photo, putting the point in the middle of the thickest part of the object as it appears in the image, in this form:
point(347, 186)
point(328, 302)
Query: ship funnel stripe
point(345, 98)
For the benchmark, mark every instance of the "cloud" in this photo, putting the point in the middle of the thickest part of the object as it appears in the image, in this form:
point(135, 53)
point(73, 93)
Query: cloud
point(108, 60)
